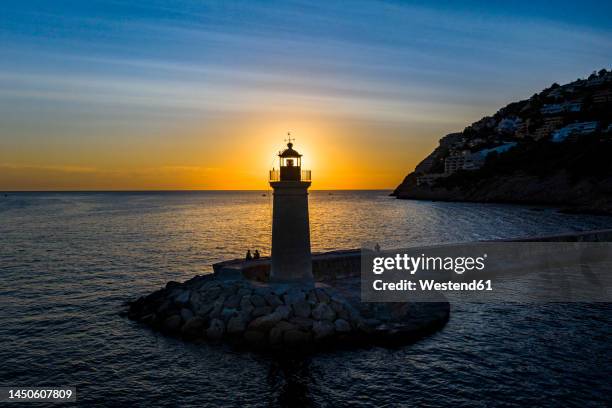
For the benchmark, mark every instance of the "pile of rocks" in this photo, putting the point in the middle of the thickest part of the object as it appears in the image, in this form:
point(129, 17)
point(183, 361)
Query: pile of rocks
point(243, 312)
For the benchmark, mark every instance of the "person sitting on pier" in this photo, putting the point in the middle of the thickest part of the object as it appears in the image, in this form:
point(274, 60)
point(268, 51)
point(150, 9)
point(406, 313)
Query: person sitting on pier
point(248, 255)
point(256, 254)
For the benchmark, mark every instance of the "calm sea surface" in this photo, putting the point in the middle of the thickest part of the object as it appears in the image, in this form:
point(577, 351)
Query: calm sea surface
point(68, 261)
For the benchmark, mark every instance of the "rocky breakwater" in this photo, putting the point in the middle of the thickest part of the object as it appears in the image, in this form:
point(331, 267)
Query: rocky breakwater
point(254, 315)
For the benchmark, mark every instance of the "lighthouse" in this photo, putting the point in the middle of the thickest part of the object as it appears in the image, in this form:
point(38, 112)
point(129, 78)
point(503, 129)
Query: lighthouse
point(291, 257)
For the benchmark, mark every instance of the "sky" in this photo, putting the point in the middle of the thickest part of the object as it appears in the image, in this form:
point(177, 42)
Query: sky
point(186, 94)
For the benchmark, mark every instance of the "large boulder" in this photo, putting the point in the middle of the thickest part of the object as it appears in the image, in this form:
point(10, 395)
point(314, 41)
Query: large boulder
point(186, 314)
point(243, 291)
point(273, 300)
point(246, 306)
point(284, 325)
point(172, 323)
point(258, 300)
point(233, 301)
point(311, 297)
point(276, 334)
point(323, 312)
point(148, 319)
point(227, 313)
point(297, 337)
point(303, 323)
point(182, 297)
point(211, 294)
point(283, 311)
point(204, 310)
point(164, 307)
point(173, 285)
point(217, 307)
point(293, 296)
point(261, 311)
point(323, 329)
point(193, 327)
point(236, 325)
point(322, 295)
point(301, 308)
point(336, 305)
point(196, 301)
point(342, 326)
point(265, 323)
point(216, 329)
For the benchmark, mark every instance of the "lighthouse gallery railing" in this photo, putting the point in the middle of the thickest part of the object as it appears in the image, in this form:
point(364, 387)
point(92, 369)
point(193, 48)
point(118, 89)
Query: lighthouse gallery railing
point(304, 175)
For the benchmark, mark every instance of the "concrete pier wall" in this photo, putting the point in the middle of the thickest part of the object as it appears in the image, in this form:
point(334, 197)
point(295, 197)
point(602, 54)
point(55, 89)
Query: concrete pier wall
point(346, 263)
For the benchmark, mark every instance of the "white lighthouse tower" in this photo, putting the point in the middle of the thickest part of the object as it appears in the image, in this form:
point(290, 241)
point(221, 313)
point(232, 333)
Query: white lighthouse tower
point(291, 257)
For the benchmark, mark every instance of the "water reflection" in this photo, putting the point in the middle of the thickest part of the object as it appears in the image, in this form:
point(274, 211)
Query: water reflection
point(68, 261)
point(290, 379)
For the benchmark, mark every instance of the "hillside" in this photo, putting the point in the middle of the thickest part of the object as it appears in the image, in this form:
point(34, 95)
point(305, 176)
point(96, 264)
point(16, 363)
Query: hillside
point(553, 148)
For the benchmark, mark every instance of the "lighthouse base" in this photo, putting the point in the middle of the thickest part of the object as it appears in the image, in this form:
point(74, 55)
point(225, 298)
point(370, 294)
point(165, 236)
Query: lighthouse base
point(267, 316)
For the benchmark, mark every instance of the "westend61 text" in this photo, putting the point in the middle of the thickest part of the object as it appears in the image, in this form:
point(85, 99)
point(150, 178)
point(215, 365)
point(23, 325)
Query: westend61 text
point(404, 284)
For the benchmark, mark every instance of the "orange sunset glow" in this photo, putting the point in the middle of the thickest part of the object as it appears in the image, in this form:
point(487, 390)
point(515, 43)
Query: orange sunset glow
point(237, 157)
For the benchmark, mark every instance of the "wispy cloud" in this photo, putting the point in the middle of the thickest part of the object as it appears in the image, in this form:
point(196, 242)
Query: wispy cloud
point(50, 168)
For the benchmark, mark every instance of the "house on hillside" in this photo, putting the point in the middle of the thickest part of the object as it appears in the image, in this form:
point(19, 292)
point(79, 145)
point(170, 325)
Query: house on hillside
point(472, 161)
point(575, 129)
point(602, 96)
point(553, 108)
point(550, 125)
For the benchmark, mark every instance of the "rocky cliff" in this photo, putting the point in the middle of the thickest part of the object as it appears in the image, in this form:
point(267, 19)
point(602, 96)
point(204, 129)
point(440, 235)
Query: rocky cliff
point(553, 148)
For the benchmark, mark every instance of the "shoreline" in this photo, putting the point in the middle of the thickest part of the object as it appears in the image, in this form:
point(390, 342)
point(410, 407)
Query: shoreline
point(563, 208)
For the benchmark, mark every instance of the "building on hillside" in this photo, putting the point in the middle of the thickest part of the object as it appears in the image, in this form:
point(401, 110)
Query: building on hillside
point(550, 125)
point(575, 129)
point(455, 162)
point(602, 96)
point(572, 106)
point(481, 155)
point(522, 130)
point(552, 108)
point(472, 161)
point(429, 179)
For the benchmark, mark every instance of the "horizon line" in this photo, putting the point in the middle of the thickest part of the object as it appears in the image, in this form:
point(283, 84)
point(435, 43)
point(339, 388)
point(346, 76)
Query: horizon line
point(182, 190)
